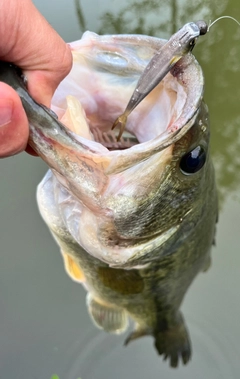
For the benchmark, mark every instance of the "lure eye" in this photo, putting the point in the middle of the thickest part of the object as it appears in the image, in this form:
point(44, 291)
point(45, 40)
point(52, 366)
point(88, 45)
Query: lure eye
point(193, 161)
point(203, 27)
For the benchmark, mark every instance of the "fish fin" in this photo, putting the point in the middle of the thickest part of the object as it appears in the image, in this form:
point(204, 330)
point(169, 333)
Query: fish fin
point(174, 343)
point(207, 263)
point(107, 317)
point(137, 333)
point(214, 237)
point(73, 269)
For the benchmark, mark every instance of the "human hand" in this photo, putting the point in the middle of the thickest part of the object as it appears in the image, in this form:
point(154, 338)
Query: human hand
point(27, 40)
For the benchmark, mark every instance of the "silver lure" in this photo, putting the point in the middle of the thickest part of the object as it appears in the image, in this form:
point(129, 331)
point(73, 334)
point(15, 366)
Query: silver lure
point(181, 43)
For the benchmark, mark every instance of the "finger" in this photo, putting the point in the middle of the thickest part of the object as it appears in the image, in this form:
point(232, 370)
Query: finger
point(37, 48)
point(14, 130)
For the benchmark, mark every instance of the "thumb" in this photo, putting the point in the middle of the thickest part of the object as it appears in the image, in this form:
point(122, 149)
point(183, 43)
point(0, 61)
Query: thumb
point(14, 129)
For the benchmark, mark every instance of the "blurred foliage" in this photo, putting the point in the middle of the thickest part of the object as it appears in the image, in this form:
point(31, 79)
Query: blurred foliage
point(151, 17)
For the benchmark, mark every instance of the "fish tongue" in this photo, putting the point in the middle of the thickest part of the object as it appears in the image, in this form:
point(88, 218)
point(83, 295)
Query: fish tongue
point(75, 118)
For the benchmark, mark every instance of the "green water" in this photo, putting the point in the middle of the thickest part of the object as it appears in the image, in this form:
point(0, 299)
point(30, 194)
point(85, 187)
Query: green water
point(44, 325)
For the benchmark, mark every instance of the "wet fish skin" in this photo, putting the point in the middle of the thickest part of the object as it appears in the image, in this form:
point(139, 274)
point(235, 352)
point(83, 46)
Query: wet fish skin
point(150, 284)
point(152, 295)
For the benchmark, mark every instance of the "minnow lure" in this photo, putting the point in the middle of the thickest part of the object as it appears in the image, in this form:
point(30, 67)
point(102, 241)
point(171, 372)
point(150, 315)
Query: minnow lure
point(181, 43)
point(178, 45)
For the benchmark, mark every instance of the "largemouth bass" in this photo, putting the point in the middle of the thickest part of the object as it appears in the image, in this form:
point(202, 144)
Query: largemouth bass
point(134, 219)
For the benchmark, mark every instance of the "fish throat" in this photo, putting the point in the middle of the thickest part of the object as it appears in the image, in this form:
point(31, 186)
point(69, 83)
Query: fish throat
point(110, 139)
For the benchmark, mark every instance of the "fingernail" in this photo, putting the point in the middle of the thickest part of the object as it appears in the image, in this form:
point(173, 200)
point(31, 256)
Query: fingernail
point(6, 111)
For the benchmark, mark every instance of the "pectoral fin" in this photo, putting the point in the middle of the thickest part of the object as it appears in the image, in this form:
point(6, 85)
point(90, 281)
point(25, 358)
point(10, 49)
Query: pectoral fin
point(137, 333)
point(73, 269)
point(207, 263)
point(109, 318)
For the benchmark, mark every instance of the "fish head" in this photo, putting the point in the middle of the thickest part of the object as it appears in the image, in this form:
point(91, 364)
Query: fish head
point(131, 199)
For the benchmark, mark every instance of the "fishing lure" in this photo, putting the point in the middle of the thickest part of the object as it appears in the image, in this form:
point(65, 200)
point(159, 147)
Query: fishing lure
point(180, 44)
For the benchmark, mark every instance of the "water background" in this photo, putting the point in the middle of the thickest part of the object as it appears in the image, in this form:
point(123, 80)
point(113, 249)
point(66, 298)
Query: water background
point(44, 325)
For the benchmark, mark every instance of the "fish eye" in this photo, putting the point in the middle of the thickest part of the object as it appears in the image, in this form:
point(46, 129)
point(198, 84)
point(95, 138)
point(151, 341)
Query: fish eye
point(193, 161)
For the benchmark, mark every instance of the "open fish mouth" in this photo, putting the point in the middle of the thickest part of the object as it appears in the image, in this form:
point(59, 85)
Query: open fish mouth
point(104, 74)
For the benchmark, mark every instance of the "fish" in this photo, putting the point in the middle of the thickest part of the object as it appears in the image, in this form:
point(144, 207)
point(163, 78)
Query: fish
point(134, 219)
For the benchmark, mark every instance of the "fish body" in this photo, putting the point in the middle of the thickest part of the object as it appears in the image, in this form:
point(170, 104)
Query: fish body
point(134, 225)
